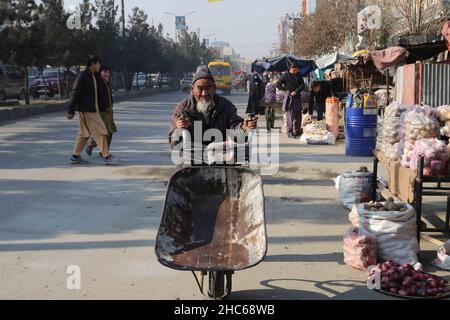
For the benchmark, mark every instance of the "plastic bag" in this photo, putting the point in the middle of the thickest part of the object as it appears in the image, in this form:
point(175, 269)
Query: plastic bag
point(407, 154)
point(395, 109)
point(435, 156)
point(395, 231)
point(391, 151)
point(360, 248)
point(421, 126)
point(318, 137)
point(391, 130)
point(443, 113)
point(443, 257)
point(315, 125)
point(380, 122)
point(355, 187)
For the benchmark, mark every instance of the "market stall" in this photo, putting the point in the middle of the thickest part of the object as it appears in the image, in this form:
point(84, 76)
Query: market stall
point(415, 157)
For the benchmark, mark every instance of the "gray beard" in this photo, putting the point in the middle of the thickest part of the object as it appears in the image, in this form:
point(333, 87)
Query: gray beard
point(204, 106)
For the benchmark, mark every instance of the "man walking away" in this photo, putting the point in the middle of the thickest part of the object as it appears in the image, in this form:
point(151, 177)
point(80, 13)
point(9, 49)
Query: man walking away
point(108, 115)
point(85, 99)
point(320, 91)
point(292, 82)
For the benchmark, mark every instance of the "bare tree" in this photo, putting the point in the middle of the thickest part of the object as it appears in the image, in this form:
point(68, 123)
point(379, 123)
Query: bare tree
point(416, 17)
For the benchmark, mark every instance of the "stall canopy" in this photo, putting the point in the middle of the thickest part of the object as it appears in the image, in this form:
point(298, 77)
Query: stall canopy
point(327, 62)
point(281, 64)
point(422, 47)
point(383, 59)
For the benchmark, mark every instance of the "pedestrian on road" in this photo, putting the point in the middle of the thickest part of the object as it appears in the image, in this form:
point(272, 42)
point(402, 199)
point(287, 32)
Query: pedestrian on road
point(256, 93)
point(108, 115)
point(86, 99)
point(320, 91)
point(292, 82)
point(214, 111)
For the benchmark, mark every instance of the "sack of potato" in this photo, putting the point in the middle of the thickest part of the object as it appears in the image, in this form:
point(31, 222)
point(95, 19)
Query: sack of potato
point(393, 225)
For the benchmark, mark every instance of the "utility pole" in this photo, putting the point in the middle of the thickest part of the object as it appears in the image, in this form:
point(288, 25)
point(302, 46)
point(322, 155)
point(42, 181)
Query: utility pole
point(125, 55)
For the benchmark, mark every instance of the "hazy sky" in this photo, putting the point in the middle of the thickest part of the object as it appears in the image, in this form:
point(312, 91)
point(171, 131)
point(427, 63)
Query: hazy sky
point(250, 26)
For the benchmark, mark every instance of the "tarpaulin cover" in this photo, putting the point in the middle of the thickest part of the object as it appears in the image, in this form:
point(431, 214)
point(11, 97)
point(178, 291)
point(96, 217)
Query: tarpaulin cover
point(329, 60)
point(383, 59)
point(283, 62)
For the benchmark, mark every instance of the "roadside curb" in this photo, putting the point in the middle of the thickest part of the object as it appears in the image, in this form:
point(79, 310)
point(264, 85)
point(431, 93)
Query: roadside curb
point(17, 112)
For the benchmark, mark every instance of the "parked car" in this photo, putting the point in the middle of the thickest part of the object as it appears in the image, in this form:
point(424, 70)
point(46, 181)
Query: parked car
point(48, 80)
point(156, 80)
point(186, 82)
point(141, 80)
point(12, 83)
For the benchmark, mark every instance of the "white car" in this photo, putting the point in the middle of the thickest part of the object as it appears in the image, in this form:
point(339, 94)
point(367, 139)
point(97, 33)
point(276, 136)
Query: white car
point(142, 81)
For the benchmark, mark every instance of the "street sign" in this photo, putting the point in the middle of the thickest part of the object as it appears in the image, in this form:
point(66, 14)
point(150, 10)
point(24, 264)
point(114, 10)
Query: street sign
point(180, 22)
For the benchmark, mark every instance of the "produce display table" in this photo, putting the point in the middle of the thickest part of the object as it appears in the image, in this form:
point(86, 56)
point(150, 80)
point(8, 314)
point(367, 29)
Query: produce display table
point(411, 187)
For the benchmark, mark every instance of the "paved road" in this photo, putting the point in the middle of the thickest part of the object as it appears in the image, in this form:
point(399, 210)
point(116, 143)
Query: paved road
point(105, 219)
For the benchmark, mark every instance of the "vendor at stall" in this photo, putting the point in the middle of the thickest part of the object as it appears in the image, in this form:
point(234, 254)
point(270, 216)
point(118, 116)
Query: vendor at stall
point(292, 82)
point(320, 91)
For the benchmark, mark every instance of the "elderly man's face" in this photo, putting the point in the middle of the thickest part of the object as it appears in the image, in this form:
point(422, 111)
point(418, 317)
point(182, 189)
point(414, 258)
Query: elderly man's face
point(203, 90)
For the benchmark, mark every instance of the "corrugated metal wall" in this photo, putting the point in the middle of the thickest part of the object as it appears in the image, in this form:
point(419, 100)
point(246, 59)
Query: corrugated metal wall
point(435, 84)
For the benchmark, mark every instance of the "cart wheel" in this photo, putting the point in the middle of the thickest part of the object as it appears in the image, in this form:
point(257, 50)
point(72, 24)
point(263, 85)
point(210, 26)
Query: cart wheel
point(217, 290)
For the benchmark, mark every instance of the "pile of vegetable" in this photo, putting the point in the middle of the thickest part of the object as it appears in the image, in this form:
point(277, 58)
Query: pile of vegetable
point(391, 131)
point(444, 118)
point(421, 124)
point(389, 205)
point(435, 156)
point(433, 151)
point(360, 248)
point(380, 134)
point(408, 149)
point(406, 281)
point(316, 133)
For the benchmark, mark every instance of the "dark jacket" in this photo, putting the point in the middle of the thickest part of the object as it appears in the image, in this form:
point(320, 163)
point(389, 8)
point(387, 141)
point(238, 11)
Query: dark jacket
point(290, 82)
point(256, 94)
point(320, 98)
point(105, 95)
point(223, 116)
point(82, 97)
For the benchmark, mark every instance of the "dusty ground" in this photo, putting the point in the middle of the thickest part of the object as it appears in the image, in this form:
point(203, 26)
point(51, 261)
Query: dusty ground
point(105, 219)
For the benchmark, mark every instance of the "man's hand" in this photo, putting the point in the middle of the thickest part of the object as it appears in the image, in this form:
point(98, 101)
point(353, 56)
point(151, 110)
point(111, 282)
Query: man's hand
point(250, 124)
point(70, 116)
point(182, 123)
point(293, 94)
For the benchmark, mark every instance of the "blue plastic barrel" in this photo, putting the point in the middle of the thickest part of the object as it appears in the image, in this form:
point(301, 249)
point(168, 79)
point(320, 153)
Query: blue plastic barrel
point(360, 132)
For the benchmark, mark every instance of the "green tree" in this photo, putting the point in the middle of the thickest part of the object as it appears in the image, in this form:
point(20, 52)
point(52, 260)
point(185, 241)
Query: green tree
point(57, 39)
point(22, 37)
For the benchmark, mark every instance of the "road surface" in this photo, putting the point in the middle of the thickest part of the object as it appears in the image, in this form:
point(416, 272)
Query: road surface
point(104, 219)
